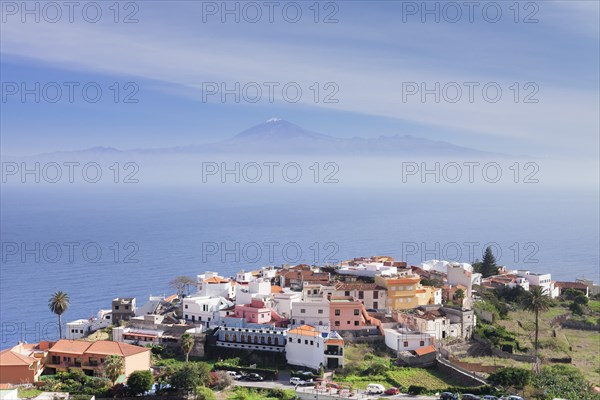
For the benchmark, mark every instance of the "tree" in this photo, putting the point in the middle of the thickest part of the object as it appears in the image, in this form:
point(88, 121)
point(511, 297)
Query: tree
point(58, 304)
point(139, 382)
point(536, 301)
point(459, 296)
point(510, 377)
point(564, 381)
point(488, 265)
point(191, 376)
point(113, 367)
point(187, 344)
point(182, 284)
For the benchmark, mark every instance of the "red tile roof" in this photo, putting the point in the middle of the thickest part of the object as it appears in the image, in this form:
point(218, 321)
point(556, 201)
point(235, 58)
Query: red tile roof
point(570, 285)
point(12, 358)
point(421, 351)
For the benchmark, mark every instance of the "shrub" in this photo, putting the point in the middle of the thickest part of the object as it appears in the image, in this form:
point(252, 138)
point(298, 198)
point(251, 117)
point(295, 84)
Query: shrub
point(511, 377)
point(204, 393)
point(220, 380)
point(415, 390)
point(139, 382)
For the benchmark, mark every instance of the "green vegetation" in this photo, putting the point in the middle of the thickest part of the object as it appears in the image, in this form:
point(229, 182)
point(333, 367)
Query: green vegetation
point(75, 382)
point(113, 367)
point(190, 377)
point(58, 304)
point(139, 382)
point(27, 393)
point(487, 267)
point(564, 381)
point(187, 344)
point(536, 302)
point(511, 378)
point(242, 393)
point(365, 364)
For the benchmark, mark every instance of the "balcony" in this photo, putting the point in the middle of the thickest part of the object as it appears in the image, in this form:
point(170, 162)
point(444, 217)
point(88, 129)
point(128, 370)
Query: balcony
point(334, 352)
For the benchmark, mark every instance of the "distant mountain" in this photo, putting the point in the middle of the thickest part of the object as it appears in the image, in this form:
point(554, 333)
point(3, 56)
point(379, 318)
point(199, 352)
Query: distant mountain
point(278, 136)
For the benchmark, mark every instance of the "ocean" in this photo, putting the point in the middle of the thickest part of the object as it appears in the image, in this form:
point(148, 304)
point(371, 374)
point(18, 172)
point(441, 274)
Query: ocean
point(129, 241)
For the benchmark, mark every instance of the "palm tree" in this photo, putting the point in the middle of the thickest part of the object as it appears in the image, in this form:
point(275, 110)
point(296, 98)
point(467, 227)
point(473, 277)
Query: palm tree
point(187, 344)
point(536, 301)
point(113, 367)
point(58, 304)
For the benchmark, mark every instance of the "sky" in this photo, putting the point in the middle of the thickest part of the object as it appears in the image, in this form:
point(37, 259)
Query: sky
point(364, 68)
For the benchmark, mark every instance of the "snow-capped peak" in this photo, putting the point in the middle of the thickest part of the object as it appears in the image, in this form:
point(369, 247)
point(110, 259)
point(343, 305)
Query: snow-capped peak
point(274, 119)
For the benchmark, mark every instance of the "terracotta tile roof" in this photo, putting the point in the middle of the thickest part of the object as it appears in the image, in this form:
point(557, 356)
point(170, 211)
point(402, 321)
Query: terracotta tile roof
point(339, 342)
point(570, 285)
point(421, 351)
point(5, 386)
point(216, 279)
point(70, 346)
point(106, 347)
point(276, 289)
point(304, 330)
point(171, 298)
point(12, 358)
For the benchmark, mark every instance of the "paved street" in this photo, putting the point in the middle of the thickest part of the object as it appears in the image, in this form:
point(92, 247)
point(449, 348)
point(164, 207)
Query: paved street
point(313, 393)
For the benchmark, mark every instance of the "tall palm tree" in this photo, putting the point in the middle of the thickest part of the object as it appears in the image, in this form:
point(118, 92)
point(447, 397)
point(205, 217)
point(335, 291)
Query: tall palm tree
point(187, 344)
point(536, 301)
point(113, 367)
point(58, 304)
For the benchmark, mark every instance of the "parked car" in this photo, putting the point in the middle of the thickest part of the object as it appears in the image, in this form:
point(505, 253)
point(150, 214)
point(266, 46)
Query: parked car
point(513, 397)
point(489, 397)
point(469, 396)
point(375, 388)
point(392, 391)
point(254, 377)
point(235, 375)
point(449, 396)
point(296, 381)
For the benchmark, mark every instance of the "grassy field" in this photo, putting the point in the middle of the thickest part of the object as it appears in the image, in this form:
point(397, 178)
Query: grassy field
point(581, 346)
point(365, 365)
point(28, 393)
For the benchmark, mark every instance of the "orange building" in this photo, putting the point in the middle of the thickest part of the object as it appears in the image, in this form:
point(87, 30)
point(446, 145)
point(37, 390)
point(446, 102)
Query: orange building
point(22, 363)
point(89, 356)
point(404, 291)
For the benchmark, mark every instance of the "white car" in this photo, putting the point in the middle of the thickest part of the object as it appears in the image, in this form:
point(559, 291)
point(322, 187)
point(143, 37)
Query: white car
point(234, 375)
point(375, 388)
point(296, 381)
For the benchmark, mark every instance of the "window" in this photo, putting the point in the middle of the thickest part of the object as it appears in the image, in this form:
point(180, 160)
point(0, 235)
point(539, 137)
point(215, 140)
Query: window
point(337, 323)
point(422, 343)
point(186, 316)
point(405, 344)
point(276, 341)
point(186, 306)
point(127, 307)
point(311, 343)
point(393, 288)
point(116, 307)
point(361, 294)
point(376, 294)
point(302, 310)
point(305, 341)
point(356, 311)
point(375, 305)
point(355, 323)
point(347, 293)
point(337, 312)
point(299, 341)
point(320, 311)
point(269, 340)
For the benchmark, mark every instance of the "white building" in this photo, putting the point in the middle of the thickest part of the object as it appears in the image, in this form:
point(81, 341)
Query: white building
point(313, 307)
point(438, 322)
point(542, 280)
point(370, 294)
point(212, 285)
point(282, 302)
point(236, 333)
point(368, 270)
point(244, 277)
point(404, 339)
point(435, 265)
point(83, 327)
point(462, 274)
point(310, 347)
point(151, 305)
point(259, 288)
point(206, 310)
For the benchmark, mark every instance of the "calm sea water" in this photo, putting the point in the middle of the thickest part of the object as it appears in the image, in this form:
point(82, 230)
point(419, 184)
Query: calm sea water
point(165, 232)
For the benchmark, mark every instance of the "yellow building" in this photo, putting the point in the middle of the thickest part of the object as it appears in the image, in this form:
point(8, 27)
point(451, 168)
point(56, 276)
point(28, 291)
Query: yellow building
point(405, 291)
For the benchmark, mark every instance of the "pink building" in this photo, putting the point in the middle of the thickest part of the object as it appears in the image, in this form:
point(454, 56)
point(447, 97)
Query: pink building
point(347, 313)
point(257, 312)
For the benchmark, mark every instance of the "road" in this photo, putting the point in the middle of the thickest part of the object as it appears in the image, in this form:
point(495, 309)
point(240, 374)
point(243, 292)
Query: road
point(360, 394)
